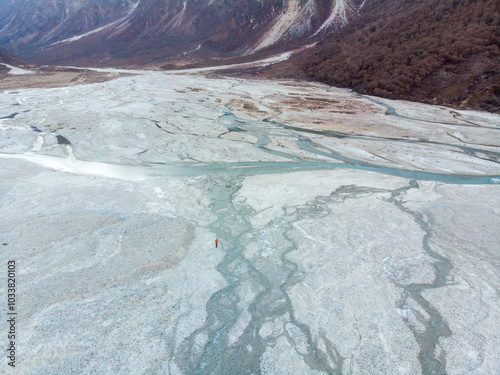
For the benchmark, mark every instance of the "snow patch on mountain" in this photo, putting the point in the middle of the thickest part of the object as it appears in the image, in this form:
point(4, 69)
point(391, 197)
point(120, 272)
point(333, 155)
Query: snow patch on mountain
point(180, 17)
point(133, 7)
point(295, 21)
point(77, 37)
point(337, 18)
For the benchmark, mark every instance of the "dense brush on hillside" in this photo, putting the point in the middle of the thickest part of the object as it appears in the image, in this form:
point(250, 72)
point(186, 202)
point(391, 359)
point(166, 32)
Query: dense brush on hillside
point(438, 51)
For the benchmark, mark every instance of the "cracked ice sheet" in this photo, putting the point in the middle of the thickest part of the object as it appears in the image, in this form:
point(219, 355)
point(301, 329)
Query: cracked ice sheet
point(348, 291)
point(442, 114)
point(104, 274)
point(320, 107)
point(145, 118)
point(282, 359)
point(470, 303)
point(270, 196)
point(424, 157)
point(346, 294)
point(68, 228)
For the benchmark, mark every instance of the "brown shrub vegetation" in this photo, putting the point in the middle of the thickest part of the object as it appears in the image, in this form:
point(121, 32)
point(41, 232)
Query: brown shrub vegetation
point(398, 48)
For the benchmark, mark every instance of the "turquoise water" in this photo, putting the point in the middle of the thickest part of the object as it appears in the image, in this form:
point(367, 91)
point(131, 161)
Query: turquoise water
point(263, 130)
point(273, 281)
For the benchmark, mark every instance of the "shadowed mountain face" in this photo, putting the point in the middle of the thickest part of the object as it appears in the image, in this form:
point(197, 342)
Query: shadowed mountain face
point(7, 62)
point(139, 31)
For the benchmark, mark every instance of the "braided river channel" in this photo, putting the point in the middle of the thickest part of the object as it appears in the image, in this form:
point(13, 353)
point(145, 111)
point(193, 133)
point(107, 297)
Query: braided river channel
point(356, 235)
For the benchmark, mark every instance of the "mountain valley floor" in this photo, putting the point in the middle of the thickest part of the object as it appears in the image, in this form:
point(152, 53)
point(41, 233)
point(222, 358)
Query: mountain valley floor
point(357, 235)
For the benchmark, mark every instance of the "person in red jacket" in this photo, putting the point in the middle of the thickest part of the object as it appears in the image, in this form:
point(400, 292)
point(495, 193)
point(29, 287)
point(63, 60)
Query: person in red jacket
point(216, 242)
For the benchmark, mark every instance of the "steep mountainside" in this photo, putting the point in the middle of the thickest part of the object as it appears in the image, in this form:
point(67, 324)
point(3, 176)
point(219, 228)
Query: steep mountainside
point(7, 58)
point(9, 62)
point(437, 51)
point(106, 31)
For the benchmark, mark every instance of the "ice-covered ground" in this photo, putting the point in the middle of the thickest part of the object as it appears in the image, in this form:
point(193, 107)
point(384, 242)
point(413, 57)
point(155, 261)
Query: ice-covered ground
point(357, 236)
point(14, 70)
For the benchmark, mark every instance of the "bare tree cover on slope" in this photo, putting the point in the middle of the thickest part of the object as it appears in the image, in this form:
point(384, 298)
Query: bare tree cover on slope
point(443, 52)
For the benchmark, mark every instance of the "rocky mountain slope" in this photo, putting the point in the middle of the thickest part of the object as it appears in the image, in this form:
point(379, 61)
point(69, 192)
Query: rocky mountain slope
point(436, 51)
point(140, 31)
point(9, 62)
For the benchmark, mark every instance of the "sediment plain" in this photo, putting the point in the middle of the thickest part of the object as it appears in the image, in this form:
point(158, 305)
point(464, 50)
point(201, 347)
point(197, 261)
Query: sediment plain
point(357, 235)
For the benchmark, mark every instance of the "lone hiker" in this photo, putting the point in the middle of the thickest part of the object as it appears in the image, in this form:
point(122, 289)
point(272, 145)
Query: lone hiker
point(216, 242)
